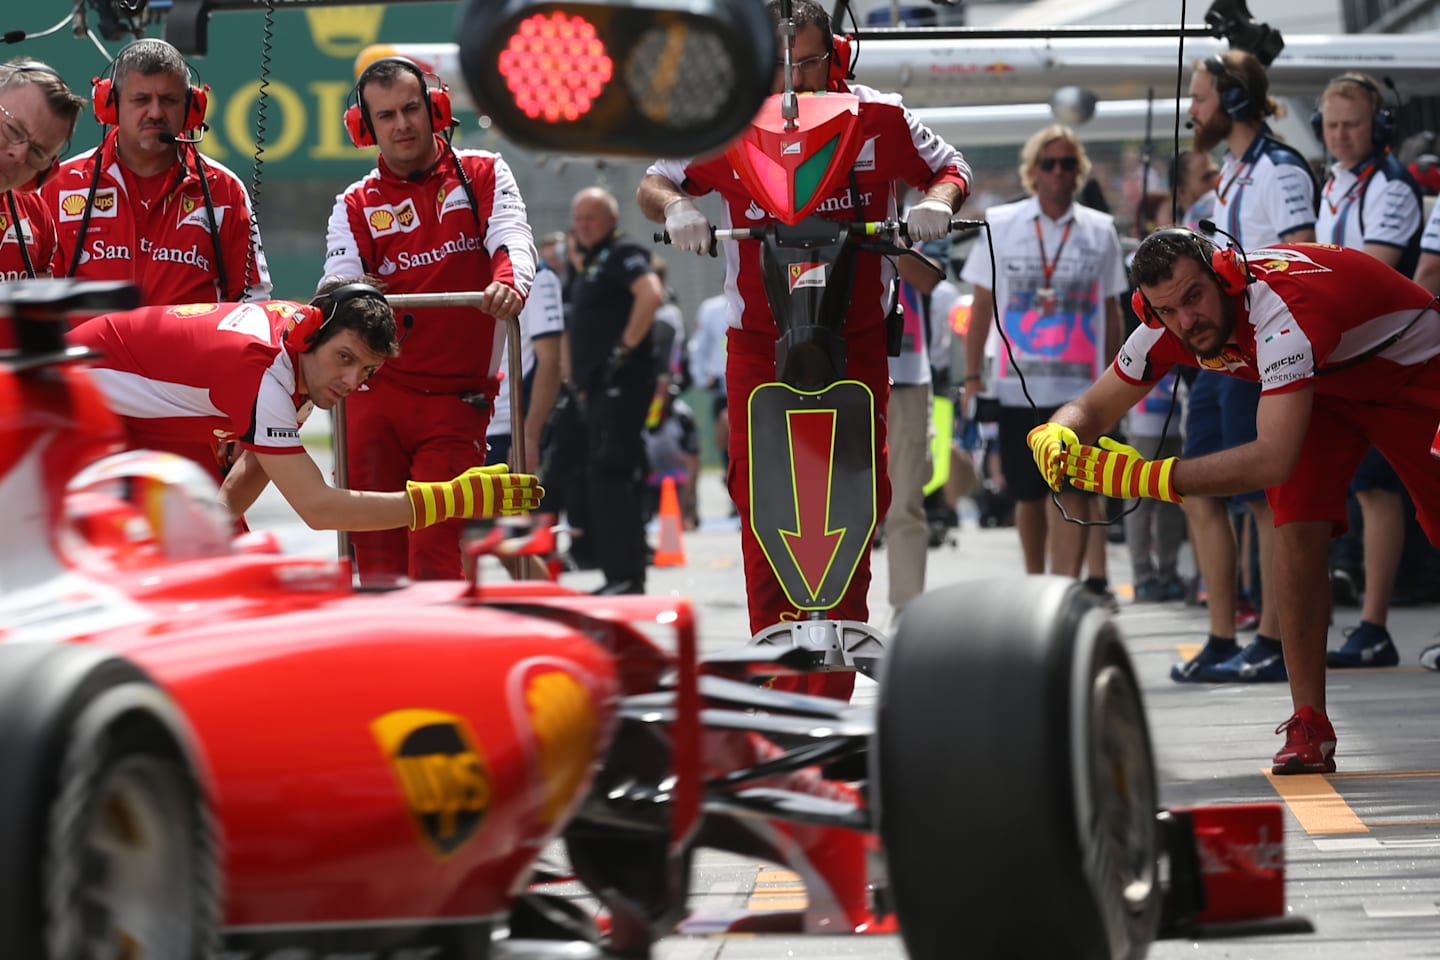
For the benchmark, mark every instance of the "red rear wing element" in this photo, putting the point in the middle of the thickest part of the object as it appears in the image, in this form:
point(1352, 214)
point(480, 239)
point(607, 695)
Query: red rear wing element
point(790, 172)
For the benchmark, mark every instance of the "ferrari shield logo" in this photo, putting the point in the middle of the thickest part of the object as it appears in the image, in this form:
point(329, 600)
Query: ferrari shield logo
point(812, 486)
point(442, 775)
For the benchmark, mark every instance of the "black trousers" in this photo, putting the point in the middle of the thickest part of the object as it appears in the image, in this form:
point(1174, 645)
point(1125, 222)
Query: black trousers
point(615, 475)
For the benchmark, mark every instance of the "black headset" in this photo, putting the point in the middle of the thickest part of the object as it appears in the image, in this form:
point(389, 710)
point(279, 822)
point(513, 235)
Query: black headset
point(1234, 94)
point(1382, 121)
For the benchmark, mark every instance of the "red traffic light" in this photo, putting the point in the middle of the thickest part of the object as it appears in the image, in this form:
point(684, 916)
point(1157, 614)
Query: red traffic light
point(641, 78)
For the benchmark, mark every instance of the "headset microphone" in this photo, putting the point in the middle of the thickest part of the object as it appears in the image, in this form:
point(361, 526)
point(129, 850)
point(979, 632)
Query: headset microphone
point(1208, 227)
point(171, 138)
point(1189, 124)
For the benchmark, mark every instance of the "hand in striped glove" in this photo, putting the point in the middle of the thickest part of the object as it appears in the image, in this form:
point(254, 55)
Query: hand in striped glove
point(478, 492)
point(1047, 443)
point(1118, 470)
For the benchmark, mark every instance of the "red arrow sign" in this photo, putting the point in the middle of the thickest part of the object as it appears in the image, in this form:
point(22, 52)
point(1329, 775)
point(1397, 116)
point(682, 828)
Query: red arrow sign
point(812, 544)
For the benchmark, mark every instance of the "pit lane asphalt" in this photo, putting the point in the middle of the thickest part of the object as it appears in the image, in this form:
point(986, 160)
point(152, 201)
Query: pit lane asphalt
point(1362, 845)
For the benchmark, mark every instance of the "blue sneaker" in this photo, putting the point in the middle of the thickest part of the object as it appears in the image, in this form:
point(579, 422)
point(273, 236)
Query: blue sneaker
point(1259, 662)
point(1430, 657)
point(1214, 652)
point(1366, 645)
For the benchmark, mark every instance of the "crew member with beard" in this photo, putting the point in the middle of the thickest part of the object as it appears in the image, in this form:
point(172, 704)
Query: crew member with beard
point(1346, 353)
point(1265, 195)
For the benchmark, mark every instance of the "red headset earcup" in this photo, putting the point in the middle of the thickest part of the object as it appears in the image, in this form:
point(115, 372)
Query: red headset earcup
point(355, 125)
point(197, 106)
point(441, 112)
point(1230, 270)
point(840, 59)
point(1141, 306)
point(307, 322)
point(102, 100)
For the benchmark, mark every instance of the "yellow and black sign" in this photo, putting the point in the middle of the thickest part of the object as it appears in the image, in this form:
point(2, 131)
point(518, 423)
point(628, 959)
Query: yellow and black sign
point(442, 775)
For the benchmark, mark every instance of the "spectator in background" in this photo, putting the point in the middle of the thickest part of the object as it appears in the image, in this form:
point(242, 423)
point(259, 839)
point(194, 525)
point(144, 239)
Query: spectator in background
point(1369, 202)
point(1057, 283)
point(707, 364)
point(1154, 528)
point(1264, 195)
point(1192, 179)
point(542, 323)
point(614, 299)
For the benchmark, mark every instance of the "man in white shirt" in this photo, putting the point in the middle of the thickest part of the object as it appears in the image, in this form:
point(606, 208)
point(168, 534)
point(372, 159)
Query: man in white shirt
point(1054, 285)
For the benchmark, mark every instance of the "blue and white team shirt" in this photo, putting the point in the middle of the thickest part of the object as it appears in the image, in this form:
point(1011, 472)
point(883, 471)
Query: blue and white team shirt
point(1430, 239)
point(543, 316)
point(1052, 281)
point(1373, 202)
point(1265, 193)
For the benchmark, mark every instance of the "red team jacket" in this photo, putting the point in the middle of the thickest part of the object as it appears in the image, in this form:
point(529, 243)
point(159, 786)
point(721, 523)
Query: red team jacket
point(36, 232)
point(895, 147)
point(423, 236)
point(201, 372)
point(168, 252)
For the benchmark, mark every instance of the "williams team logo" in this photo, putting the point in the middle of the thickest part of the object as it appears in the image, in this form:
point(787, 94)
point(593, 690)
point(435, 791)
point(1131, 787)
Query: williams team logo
point(442, 775)
point(388, 219)
point(806, 275)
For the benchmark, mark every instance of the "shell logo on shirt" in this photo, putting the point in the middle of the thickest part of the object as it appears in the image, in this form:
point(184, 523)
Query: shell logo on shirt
point(1230, 358)
point(72, 204)
point(388, 219)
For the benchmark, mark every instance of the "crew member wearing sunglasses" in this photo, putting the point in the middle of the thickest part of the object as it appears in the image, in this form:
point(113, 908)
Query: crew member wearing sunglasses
point(1056, 279)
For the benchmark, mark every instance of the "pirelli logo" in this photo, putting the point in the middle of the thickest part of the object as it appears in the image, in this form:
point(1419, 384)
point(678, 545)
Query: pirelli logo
point(283, 433)
point(443, 779)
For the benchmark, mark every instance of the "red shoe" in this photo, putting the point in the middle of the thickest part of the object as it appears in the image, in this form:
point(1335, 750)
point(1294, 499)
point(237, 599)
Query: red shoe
point(1246, 616)
point(1309, 744)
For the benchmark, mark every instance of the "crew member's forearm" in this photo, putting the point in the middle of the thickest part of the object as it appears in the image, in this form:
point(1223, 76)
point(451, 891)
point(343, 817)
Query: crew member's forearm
point(356, 510)
point(653, 194)
point(1237, 470)
point(949, 192)
point(243, 485)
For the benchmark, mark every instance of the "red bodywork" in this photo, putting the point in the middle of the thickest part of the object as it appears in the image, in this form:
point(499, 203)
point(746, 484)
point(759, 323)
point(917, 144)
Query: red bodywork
point(400, 756)
point(790, 171)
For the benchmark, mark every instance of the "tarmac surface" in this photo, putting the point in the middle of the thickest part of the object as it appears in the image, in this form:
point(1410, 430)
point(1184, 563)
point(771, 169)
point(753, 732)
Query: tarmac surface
point(1362, 845)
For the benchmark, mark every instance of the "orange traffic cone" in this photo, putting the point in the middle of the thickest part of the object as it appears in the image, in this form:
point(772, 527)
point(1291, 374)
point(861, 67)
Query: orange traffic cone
point(670, 552)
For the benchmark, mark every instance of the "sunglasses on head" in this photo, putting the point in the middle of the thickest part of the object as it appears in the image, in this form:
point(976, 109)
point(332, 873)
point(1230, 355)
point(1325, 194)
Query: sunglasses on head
point(1068, 164)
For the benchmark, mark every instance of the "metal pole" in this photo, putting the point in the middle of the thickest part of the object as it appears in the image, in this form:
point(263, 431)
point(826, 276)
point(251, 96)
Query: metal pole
point(342, 473)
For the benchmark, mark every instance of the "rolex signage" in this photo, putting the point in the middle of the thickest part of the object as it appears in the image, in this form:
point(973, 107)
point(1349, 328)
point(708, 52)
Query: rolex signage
point(311, 73)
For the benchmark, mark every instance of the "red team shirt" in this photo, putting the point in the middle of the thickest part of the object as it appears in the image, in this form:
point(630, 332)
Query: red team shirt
point(1315, 316)
point(422, 236)
point(166, 249)
point(201, 372)
point(36, 231)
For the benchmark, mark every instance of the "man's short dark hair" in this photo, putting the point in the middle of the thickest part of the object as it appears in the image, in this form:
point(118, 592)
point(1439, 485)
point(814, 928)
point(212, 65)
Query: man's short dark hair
point(1154, 262)
point(148, 57)
point(370, 317)
point(803, 13)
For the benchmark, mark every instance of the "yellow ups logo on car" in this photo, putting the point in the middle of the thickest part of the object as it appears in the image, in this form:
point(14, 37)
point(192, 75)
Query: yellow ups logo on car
point(441, 772)
point(563, 718)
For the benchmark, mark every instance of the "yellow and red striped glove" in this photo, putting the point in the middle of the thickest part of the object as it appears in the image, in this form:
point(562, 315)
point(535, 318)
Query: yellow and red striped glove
point(478, 492)
point(1048, 442)
point(1118, 470)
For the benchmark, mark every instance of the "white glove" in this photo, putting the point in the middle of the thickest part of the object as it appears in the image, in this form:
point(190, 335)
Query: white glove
point(687, 226)
point(928, 220)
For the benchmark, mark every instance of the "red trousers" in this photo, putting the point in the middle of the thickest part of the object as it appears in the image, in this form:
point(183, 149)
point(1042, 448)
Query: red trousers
point(392, 435)
point(749, 362)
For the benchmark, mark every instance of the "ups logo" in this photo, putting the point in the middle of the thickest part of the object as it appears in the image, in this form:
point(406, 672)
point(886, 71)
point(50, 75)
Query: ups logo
point(443, 778)
point(406, 215)
point(105, 201)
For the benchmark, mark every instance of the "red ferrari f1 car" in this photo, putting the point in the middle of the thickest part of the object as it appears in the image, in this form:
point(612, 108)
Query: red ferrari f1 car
point(207, 753)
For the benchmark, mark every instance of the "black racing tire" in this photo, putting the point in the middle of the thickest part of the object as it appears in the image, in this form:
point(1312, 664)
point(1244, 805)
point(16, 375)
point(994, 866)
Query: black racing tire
point(107, 845)
point(1016, 792)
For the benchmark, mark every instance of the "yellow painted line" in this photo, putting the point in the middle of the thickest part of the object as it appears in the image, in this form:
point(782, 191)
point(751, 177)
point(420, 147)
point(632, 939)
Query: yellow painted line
point(1387, 775)
point(777, 876)
point(1315, 803)
point(777, 890)
point(1125, 591)
point(1188, 650)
